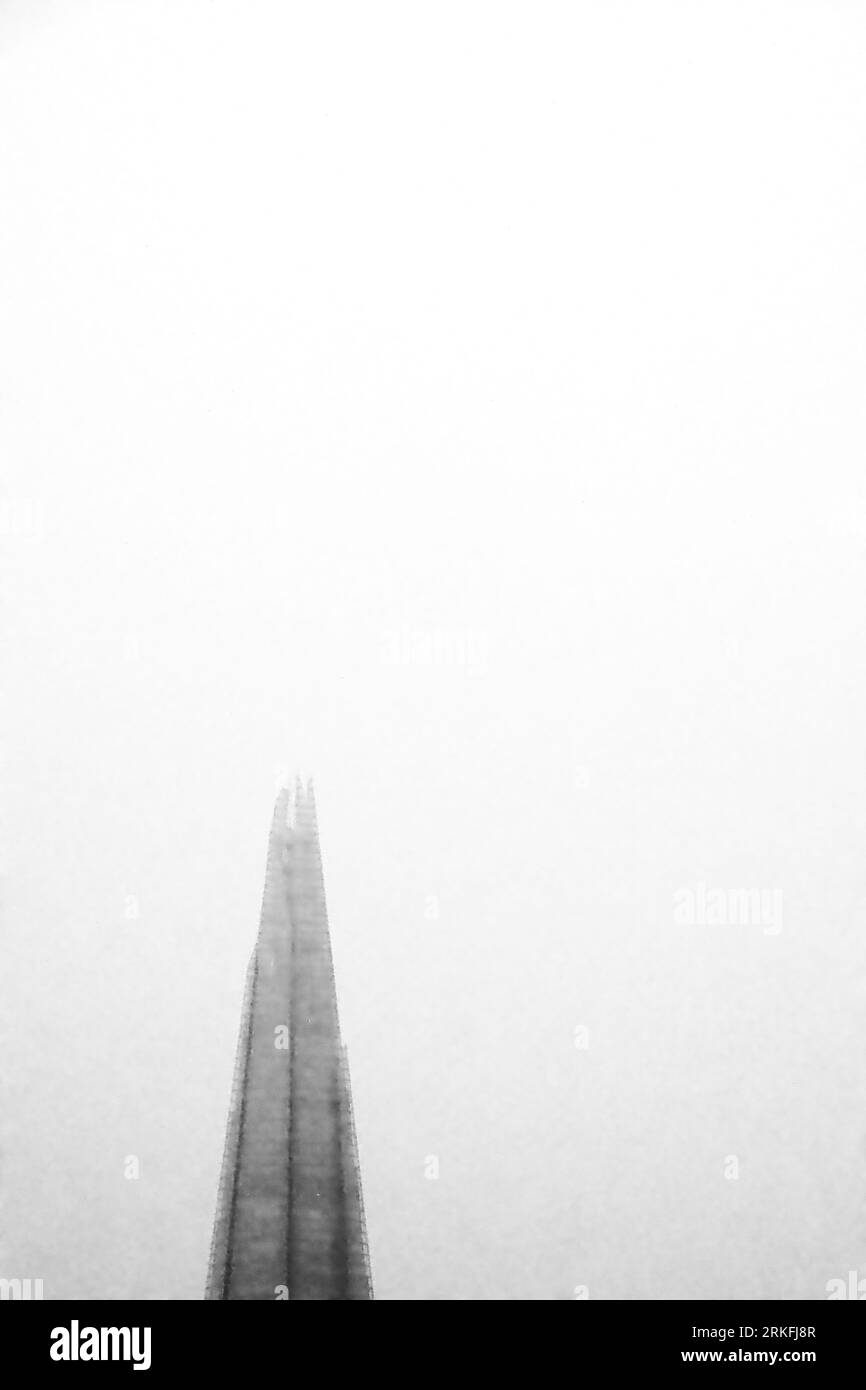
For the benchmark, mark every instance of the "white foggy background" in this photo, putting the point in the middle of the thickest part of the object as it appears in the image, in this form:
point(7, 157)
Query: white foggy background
point(533, 333)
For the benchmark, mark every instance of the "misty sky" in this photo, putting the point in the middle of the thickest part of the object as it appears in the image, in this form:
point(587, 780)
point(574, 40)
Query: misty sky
point(464, 405)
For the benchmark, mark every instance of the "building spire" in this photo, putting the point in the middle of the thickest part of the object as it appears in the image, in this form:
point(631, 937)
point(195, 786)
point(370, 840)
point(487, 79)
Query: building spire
point(297, 800)
point(311, 809)
point(290, 1215)
point(280, 822)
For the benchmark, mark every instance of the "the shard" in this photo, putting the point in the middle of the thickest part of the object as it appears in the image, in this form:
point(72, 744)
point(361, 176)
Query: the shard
point(290, 1217)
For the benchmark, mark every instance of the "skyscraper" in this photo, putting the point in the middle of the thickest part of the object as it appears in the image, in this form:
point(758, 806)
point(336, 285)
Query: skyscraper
point(290, 1216)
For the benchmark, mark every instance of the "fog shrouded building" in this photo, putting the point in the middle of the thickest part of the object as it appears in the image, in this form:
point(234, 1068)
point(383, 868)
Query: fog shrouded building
point(290, 1216)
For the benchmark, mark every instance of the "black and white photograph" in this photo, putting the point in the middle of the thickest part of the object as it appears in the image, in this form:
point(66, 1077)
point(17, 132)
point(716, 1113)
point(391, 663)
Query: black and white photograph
point(433, 639)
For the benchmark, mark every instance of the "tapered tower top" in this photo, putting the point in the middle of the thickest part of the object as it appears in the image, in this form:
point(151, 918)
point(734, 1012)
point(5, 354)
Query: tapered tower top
point(290, 1218)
